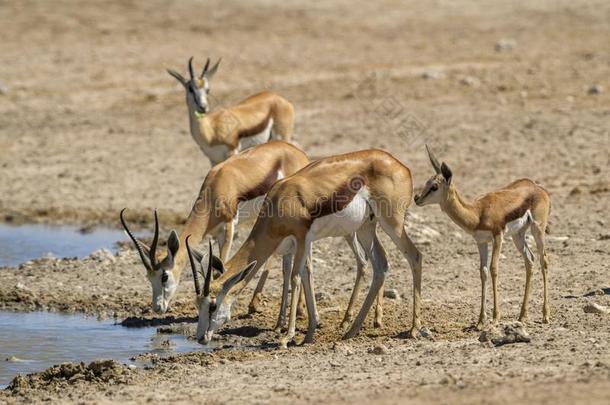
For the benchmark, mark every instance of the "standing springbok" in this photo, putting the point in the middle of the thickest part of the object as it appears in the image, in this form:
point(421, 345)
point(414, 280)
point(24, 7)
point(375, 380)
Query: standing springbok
point(226, 131)
point(230, 189)
point(334, 196)
point(510, 211)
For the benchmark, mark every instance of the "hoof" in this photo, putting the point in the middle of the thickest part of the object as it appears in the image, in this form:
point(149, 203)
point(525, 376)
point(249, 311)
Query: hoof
point(284, 342)
point(377, 324)
point(480, 326)
point(413, 332)
point(546, 319)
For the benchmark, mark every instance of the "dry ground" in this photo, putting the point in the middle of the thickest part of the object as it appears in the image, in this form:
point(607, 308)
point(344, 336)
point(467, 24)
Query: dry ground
point(90, 123)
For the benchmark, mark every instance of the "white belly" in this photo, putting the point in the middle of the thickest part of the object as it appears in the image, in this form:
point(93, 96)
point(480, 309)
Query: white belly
point(257, 139)
point(510, 229)
point(343, 222)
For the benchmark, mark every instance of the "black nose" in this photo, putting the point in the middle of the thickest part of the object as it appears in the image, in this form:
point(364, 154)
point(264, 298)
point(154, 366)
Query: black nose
point(164, 278)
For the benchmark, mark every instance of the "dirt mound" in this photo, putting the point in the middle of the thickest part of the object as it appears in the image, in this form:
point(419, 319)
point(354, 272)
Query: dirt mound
point(98, 371)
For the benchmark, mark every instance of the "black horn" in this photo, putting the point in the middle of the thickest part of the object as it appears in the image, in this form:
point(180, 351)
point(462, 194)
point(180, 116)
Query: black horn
point(193, 267)
point(140, 247)
point(205, 68)
point(155, 241)
point(208, 276)
point(191, 72)
point(433, 160)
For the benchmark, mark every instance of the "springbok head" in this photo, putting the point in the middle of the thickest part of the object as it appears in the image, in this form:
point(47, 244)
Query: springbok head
point(197, 87)
point(160, 273)
point(213, 302)
point(435, 189)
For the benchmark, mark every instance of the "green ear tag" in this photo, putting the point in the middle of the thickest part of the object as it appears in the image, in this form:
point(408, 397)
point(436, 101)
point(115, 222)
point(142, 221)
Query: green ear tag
point(198, 114)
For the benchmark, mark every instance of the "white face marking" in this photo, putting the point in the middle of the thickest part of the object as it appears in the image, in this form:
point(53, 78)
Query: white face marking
point(343, 222)
point(162, 293)
point(209, 323)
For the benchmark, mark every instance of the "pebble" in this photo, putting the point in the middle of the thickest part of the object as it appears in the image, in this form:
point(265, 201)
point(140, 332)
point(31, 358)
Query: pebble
point(605, 236)
point(13, 359)
point(3, 89)
point(424, 333)
point(432, 75)
point(505, 334)
point(504, 45)
point(470, 81)
point(391, 293)
point(595, 90)
point(593, 308)
point(379, 350)
point(103, 255)
point(322, 296)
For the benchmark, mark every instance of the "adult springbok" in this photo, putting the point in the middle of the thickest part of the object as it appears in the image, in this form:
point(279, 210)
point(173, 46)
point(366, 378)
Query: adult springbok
point(509, 211)
point(230, 189)
point(334, 196)
point(226, 131)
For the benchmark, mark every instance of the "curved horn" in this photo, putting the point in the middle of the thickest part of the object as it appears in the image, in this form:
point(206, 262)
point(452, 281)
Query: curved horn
point(139, 245)
point(213, 70)
point(205, 68)
point(191, 68)
point(155, 241)
point(193, 267)
point(433, 160)
point(208, 276)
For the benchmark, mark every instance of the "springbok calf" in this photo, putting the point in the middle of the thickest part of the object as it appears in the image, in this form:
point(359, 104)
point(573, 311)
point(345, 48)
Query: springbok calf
point(230, 189)
point(510, 211)
point(334, 196)
point(227, 131)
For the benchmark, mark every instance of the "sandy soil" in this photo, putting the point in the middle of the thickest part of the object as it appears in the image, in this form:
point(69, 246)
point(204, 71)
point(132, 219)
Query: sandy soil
point(90, 123)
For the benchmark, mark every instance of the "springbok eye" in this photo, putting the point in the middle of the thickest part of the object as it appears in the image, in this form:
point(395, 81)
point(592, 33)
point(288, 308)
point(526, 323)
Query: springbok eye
point(434, 187)
point(164, 278)
point(212, 308)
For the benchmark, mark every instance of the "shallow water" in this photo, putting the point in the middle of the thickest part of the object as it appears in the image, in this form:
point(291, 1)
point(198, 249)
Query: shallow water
point(41, 339)
point(20, 243)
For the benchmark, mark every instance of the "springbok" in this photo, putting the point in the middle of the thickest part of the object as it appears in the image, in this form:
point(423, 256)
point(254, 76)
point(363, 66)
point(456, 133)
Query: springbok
point(509, 211)
point(231, 189)
point(226, 131)
point(334, 196)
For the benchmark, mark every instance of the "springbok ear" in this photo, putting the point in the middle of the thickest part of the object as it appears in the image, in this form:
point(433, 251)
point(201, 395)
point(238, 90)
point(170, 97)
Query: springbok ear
point(173, 243)
point(435, 164)
point(230, 283)
point(177, 76)
point(446, 171)
point(217, 265)
point(210, 73)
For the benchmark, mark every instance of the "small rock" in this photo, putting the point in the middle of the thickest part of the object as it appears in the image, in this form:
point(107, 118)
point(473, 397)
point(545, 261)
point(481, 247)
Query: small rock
point(595, 90)
point(506, 334)
point(593, 308)
point(391, 293)
point(379, 350)
point(3, 89)
point(605, 236)
point(432, 75)
point(470, 81)
point(103, 255)
point(21, 286)
point(504, 45)
point(13, 359)
point(424, 333)
point(322, 296)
